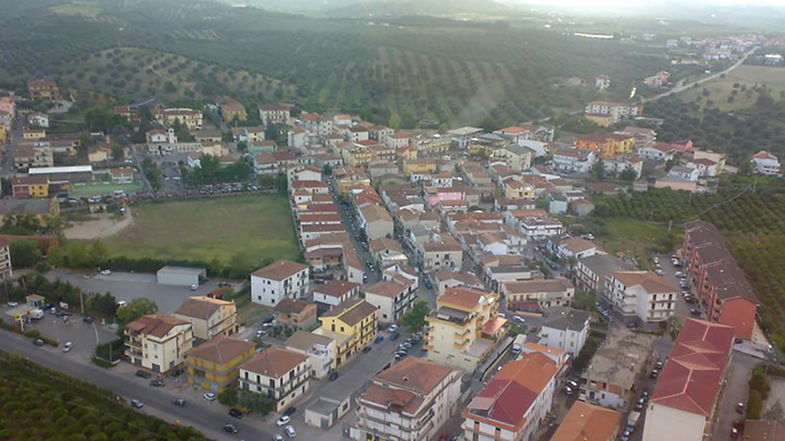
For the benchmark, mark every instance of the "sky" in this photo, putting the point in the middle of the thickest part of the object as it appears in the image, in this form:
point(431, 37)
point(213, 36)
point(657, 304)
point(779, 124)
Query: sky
point(624, 3)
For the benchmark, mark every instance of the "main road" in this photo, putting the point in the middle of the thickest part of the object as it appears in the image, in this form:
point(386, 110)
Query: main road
point(208, 417)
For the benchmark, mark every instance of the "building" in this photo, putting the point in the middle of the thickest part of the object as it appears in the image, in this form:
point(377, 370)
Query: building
point(571, 160)
point(410, 401)
point(573, 247)
point(158, 342)
point(767, 430)
point(683, 406)
point(602, 82)
point(353, 325)
point(190, 118)
point(295, 314)
point(24, 187)
point(215, 365)
point(277, 373)
point(765, 163)
point(535, 295)
point(6, 267)
point(589, 273)
point(333, 292)
point(277, 281)
point(587, 422)
point(391, 298)
point(29, 155)
point(42, 209)
point(447, 279)
point(326, 411)
point(659, 79)
point(615, 373)
point(376, 221)
point(641, 294)
point(440, 254)
point(320, 349)
point(43, 89)
point(513, 404)
point(180, 276)
point(606, 113)
point(209, 317)
point(565, 329)
point(606, 145)
point(275, 113)
point(464, 327)
point(231, 109)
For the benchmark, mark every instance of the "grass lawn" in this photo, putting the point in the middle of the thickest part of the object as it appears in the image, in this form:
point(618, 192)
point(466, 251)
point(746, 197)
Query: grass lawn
point(634, 237)
point(104, 189)
point(249, 312)
point(255, 227)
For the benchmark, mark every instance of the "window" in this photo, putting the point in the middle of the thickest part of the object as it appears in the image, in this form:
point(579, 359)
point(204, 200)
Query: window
point(272, 382)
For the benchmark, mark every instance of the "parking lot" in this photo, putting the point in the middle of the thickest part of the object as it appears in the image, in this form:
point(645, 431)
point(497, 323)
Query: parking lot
point(673, 274)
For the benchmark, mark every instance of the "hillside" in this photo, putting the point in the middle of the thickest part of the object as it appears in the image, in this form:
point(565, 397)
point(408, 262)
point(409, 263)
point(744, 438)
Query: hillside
point(365, 8)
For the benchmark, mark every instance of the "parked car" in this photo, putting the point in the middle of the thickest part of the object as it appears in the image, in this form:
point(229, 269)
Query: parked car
point(573, 384)
point(393, 328)
point(277, 437)
point(209, 396)
point(283, 420)
point(334, 375)
point(87, 319)
point(38, 342)
point(142, 374)
point(290, 431)
point(639, 404)
point(157, 383)
point(231, 428)
point(695, 312)
point(740, 407)
point(654, 374)
point(136, 404)
point(367, 349)
point(179, 402)
point(235, 413)
point(290, 411)
point(194, 287)
point(67, 346)
point(568, 390)
point(378, 339)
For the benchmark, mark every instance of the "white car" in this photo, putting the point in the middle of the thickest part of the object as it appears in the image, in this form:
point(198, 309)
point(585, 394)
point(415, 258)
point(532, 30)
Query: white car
point(194, 287)
point(290, 431)
point(277, 437)
point(67, 346)
point(283, 420)
point(209, 396)
point(106, 272)
point(393, 327)
point(519, 318)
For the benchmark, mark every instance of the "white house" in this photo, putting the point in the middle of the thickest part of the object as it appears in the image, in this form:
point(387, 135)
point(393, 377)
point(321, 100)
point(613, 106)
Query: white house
point(684, 172)
point(641, 294)
point(277, 281)
point(277, 373)
point(320, 349)
point(566, 329)
point(766, 163)
point(334, 292)
point(572, 160)
point(39, 120)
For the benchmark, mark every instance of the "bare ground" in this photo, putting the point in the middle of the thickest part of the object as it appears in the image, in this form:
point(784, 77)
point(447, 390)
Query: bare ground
point(104, 225)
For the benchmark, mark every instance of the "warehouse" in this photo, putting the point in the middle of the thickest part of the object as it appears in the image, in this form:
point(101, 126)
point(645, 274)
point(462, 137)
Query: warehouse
point(180, 276)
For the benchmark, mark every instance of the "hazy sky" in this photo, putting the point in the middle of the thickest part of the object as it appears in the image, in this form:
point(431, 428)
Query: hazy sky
point(626, 3)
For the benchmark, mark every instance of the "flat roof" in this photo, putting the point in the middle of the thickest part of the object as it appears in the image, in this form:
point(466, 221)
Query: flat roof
point(54, 170)
point(182, 270)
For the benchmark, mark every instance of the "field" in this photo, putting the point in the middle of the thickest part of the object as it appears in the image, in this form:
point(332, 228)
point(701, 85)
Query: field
point(252, 229)
point(104, 189)
point(737, 89)
point(640, 238)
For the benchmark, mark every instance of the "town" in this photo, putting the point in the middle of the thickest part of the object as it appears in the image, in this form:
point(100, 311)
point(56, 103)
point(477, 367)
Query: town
point(446, 284)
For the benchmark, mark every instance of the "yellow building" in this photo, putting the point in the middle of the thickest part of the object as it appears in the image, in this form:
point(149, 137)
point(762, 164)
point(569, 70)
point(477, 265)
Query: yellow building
point(420, 166)
point(464, 328)
point(33, 134)
point(407, 154)
point(214, 365)
point(356, 155)
point(231, 109)
point(606, 145)
point(515, 189)
point(434, 145)
point(352, 324)
point(2, 133)
point(209, 317)
point(30, 187)
point(600, 120)
point(158, 342)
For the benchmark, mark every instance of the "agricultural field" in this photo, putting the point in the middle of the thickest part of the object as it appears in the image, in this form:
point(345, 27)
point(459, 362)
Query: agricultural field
point(243, 230)
point(738, 89)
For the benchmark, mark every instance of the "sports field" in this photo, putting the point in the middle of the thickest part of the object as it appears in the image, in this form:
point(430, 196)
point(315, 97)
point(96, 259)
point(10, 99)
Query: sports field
point(104, 189)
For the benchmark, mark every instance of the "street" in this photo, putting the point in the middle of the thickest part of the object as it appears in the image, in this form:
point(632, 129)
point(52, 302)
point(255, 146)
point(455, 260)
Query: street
point(20, 122)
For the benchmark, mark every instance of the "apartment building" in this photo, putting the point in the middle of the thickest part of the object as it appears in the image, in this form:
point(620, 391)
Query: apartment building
point(572, 160)
point(158, 342)
point(333, 292)
point(191, 118)
point(320, 349)
point(352, 324)
point(410, 401)
point(277, 373)
point(606, 145)
point(392, 298)
point(6, 267)
point(514, 403)
point(684, 404)
point(607, 113)
point(209, 317)
point(215, 365)
point(765, 163)
point(587, 422)
point(537, 294)
point(565, 329)
point(641, 294)
point(279, 280)
point(441, 252)
point(589, 272)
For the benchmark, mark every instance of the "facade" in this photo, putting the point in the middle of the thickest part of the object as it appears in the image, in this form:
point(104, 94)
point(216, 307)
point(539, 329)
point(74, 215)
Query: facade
point(444, 253)
point(320, 349)
point(410, 401)
point(572, 160)
point(6, 267)
point(231, 109)
point(565, 329)
point(613, 111)
point(514, 403)
point(606, 145)
point(587, 422)
point(589, 273)
point(30, 187)
point(537, 294)
point(295, 314)
point(392, 298)
point(683, 406)
point(333, 292)
point(180, 275)
point(209, 317)
point(376, 221)
point(765, 163)
point(353, 324)
point(279, 280)
point(641, 294)
point(158, 342)
point(277, 373)
point(215, 365)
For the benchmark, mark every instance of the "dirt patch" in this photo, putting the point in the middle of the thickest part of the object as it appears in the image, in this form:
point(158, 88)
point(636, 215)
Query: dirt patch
point(104, 225)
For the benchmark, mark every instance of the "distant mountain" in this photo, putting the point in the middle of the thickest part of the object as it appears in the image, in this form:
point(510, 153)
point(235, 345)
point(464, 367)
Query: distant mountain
point(354, 8)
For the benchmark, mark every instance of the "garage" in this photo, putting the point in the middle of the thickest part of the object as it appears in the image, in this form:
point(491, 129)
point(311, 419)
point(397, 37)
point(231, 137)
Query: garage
point(180, 276)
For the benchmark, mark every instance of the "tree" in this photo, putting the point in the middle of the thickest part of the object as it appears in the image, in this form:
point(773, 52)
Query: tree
point(598, 169)
point(228, 396)
point(674, 325)
point(628, 175)
point(754, 405)
point(24, 253)
point(256, 402)
point(135, 309)
point(414, 319)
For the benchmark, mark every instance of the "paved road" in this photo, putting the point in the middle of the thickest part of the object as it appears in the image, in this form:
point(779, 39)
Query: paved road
point(205, 416)
point(7, 169)
point(735, 392)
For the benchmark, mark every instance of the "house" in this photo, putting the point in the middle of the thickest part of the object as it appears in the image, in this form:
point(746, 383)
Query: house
point(589, 273)
point(250, 134)
point(641, 294)
point(41, 208)
point(386, 252)
point(275, 113)
point(158, 342)
point(606, 145)
point(391, 297)
point(24, 187)
point(376, 221)
point(43, 89)
point(582, 207)
point(447, 279)
point(765, 163)
point(566, 329)
point(121, 175)
point(572, 160)
point(99, 153)
point(515, 189)
point(440, 252)
point(277, 373)
point(215, 365)
point(464, 327)
point(684, 172)
point(535, 295)
point(410, 401)
point(513, 404)
point(31, 155)
point(353, 324)
point(573, 247)
point(277, 281)
point(684, 404)
point(295, 314)
point(6, 268)
point(659, 79)
point(209, 317)
point(190, 118)
point(615, 374)
point(602, 82)
point(706, 167)
point(587, 422)
point(333, 292)
point(231, 109)
point(617, 165)
point(320, 350)
point(158, 136)
point(33, 134)
point(660, 151)
point(516, 156)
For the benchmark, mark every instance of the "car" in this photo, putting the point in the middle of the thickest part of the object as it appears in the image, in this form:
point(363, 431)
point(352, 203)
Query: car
point(658, 365)
point(519, 318)
point(654, 374)
point(142, 374)
point(136, 404)
point(157, 383)
point(740, 407)
point(38, 342)
point(378, 339)
point(655, 259)
point(209, 396)
point(179, 402)
point(734, 432)
point(283, 420)
point(695, 312)
point(568, 390)
point(393, 328)
point(260, 333)
point(632, 325)
point(230, 428)
point(678, 274)
point(290, 411)
point(334, 375)
point(658, 271)
point(67, 346)
point(516, 349)
point(625, 436)
point(87, 319)
point(394, 336)
point(406, 345)
point(639, 404)
point(277, 437)
point(290, 431)
point(235, 413)
point(194, 287)
point(572, 383)
point(121, 303)
point(106, 272)
point(12, 304)
point(367, 349)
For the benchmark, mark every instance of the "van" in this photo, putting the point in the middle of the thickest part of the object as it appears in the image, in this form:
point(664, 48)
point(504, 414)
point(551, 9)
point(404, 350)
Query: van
point(121, 303)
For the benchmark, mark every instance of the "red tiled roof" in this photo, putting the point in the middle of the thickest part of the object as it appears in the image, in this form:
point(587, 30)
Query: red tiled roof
point(740, 313)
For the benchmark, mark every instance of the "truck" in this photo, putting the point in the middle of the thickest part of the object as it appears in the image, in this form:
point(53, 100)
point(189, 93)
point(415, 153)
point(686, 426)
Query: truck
point(37, 314)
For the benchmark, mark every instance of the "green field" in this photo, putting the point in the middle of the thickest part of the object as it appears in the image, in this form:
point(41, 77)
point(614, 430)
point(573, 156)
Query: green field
point(736, 91)
point(104, 189)
point(251, 228)
point(636, 237)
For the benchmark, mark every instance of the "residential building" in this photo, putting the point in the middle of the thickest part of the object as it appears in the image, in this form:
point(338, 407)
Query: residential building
point(353, 325)
point(158, 342)
point(6, 267)
point(376, 221)
point(277, 373)
point(566, 329)
point(274, 113)
point(209, 317)
point(30, 187)
point(41, 209)
point(606, 113)
point(447, 279)
point(606, 145)
point(333, 292)
point(464, 327)
point(572, 160)
point(684, 172)
point(295, 314)
point(386, 252)
point(765, 163)
point(602, 82)
point(441, 252)
point(391, 297)
point(410, 401)
point(513, 404)
point(538, 294)
point(191, 118)
point(684, 404)
point(215, 365)
point(30, 155)
point(589, 273)
point(516, 156)
point(573, 247)
point(626, 163)
point(231, 109)
point(43, 89)
point(614, 376)
point(320, 349)
point(659, 79)
point(587, 422)
point(659, 151)
point(641, 294)
point(277, 281)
